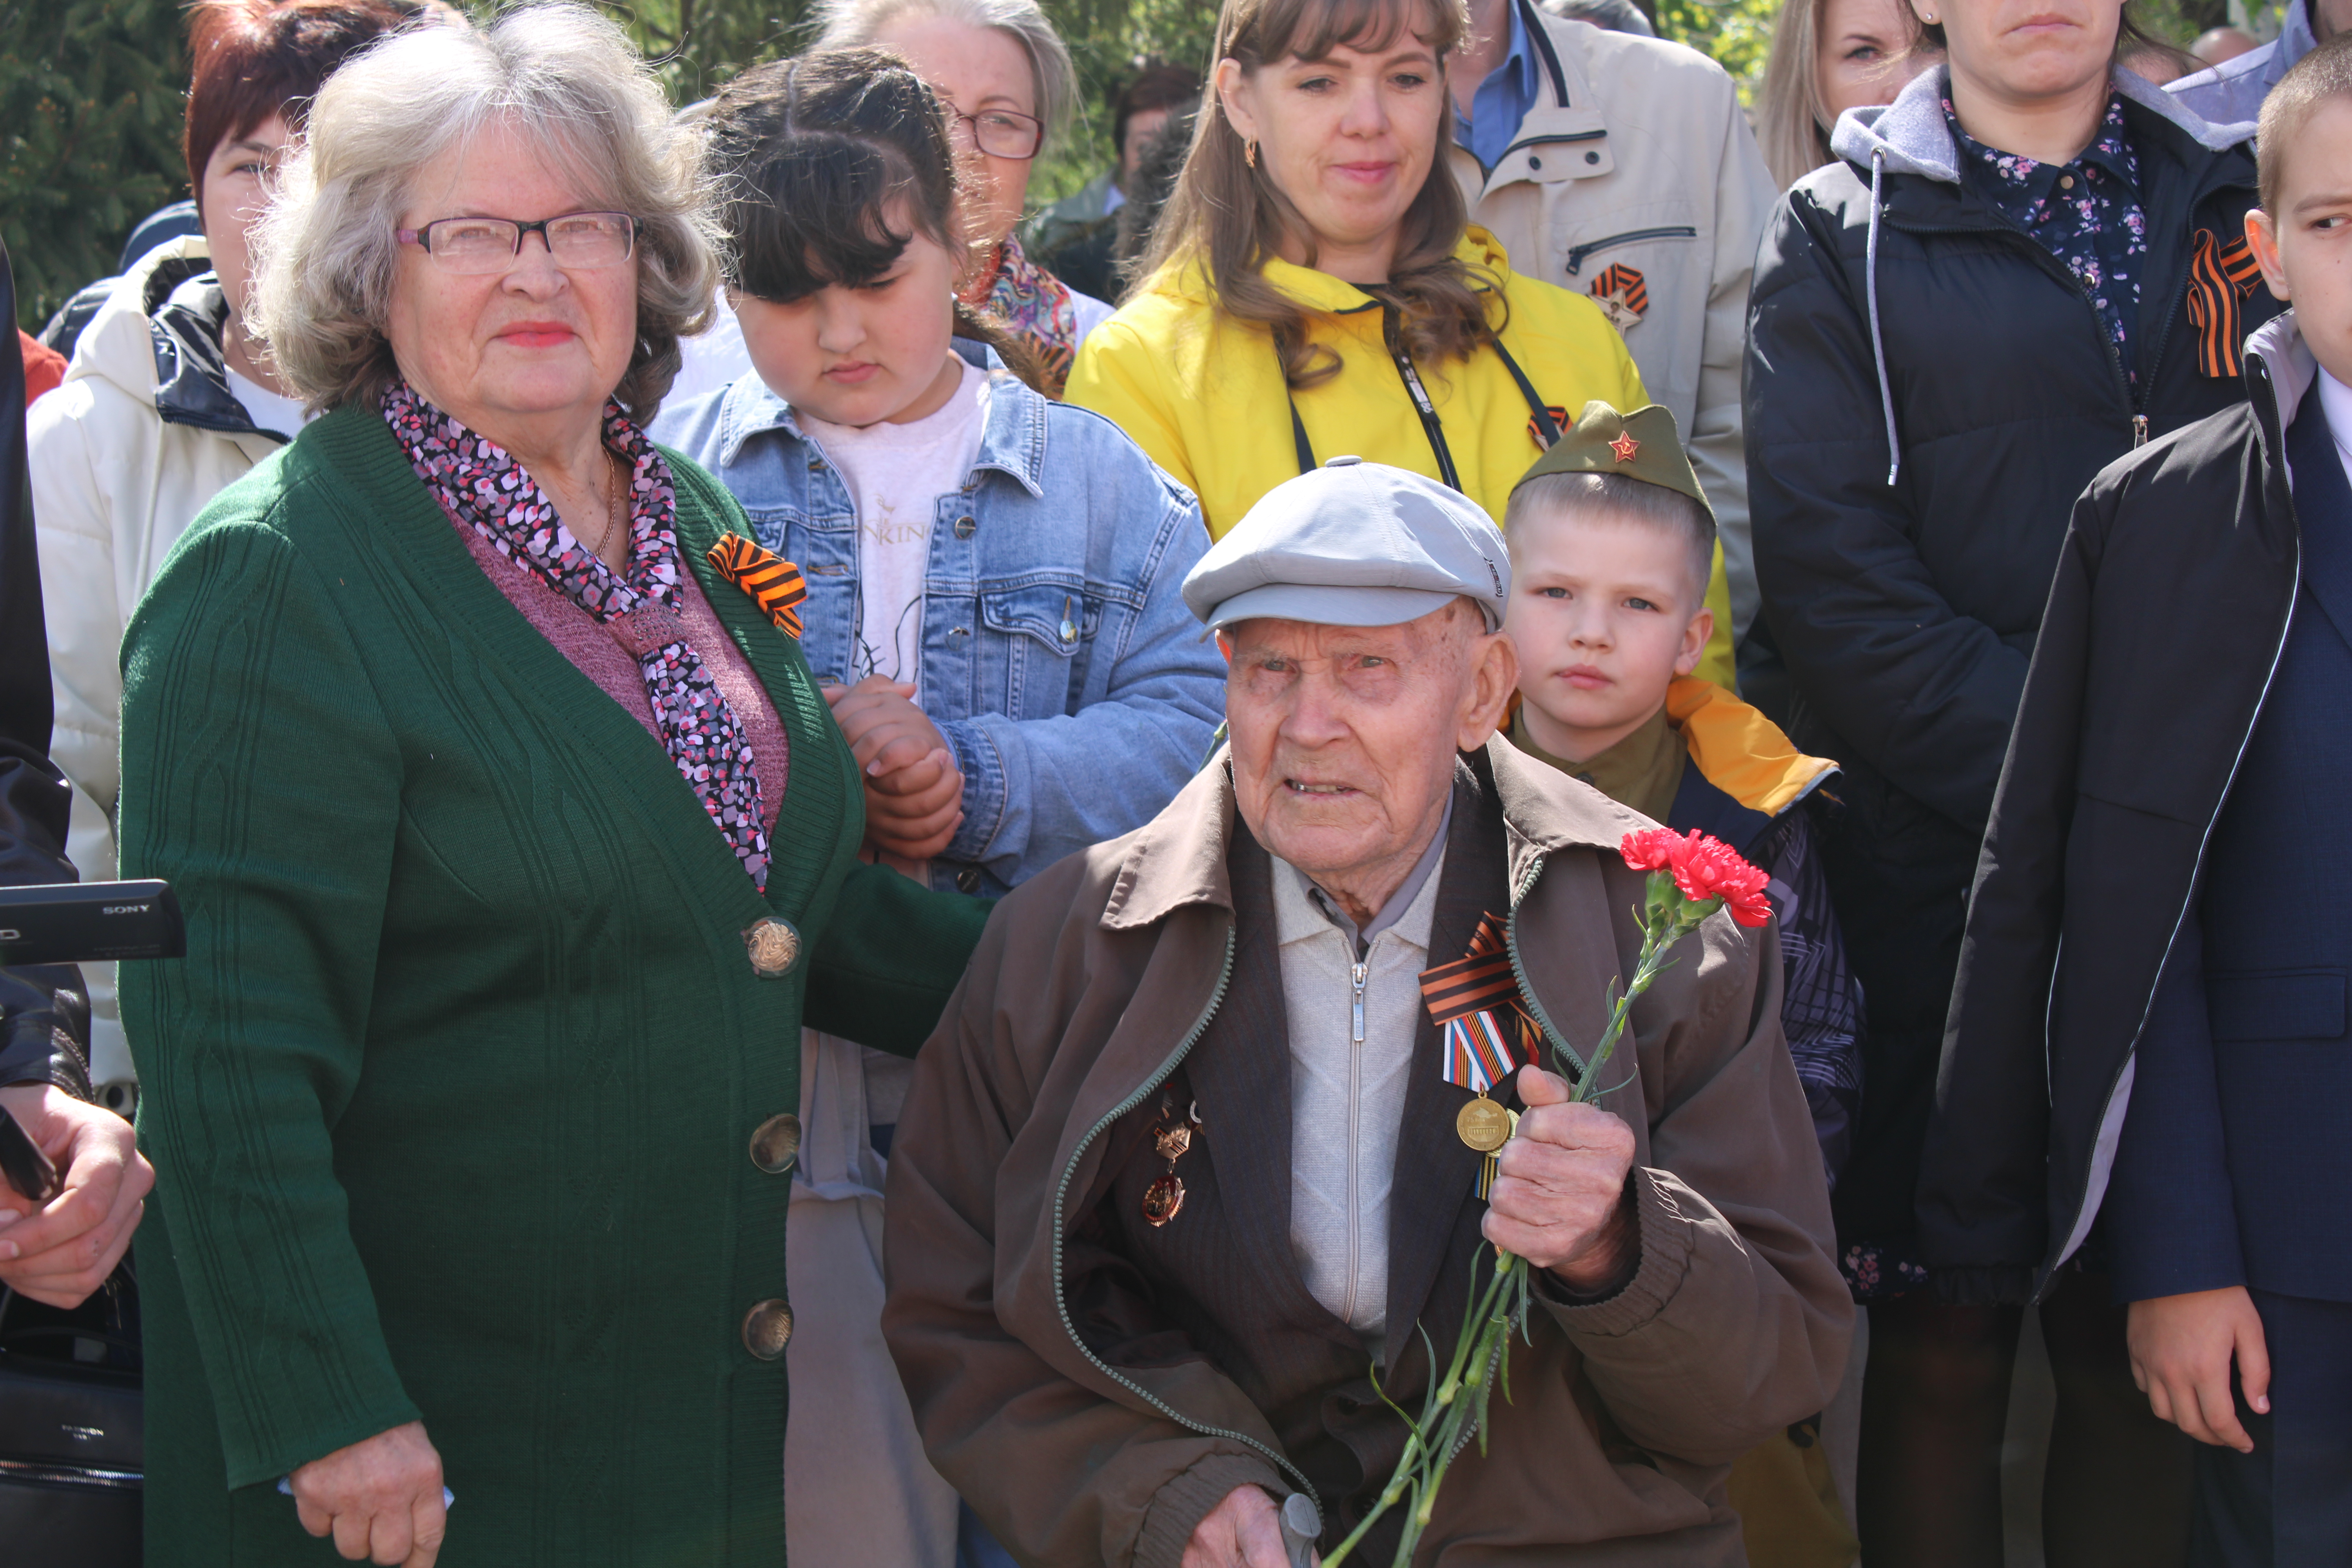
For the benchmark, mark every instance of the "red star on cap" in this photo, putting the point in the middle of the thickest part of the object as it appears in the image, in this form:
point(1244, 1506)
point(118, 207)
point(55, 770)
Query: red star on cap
point(1624, 447)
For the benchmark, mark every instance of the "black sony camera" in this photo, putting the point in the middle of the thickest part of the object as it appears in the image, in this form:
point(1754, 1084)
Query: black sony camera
point(90, 922)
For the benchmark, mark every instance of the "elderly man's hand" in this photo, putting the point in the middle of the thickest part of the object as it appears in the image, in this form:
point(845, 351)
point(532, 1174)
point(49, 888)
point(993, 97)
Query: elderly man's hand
point(1243, 1532)
point(58, 1252)
point(380, 1500)
point(914, 791)
point(1561, 1199)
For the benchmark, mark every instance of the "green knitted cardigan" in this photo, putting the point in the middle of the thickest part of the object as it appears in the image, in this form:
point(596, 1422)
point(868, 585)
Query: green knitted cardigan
point(450, 1100)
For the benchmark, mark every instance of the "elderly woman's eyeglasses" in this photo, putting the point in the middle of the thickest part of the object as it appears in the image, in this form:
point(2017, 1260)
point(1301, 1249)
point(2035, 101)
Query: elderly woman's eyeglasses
point(478, 245)
point(1000, 132)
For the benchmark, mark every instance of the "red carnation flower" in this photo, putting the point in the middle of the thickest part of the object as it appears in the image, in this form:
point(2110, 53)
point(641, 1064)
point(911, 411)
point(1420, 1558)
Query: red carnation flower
point(1651, 849)
point(1703, 869)
point(1710, 868)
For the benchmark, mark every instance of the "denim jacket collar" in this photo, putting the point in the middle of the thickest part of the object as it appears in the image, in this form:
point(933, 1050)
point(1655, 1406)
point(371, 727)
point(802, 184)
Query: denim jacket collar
point(1013, 441)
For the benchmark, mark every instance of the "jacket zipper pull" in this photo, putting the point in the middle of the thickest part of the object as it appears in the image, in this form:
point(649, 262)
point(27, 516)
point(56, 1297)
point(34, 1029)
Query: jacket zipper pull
point(1358, 1032)
point(2139, 431)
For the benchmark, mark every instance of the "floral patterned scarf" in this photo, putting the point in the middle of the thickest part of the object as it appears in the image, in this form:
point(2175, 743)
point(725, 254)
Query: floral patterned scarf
point(1036, 306)
point(481, 484)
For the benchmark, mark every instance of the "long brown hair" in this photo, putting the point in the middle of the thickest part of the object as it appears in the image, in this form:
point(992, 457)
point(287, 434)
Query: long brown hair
point(1231, 216)
point(1790, 122)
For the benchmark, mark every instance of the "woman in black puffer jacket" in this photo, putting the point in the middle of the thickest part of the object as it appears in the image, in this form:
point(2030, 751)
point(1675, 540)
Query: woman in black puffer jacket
point(1946, 340)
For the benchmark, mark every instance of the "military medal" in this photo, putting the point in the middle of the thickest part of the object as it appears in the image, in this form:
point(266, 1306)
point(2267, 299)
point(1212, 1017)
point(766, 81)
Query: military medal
point(1624, 297)
point(1163, 1200)
point(1484, 1125)
point(1487, 1033)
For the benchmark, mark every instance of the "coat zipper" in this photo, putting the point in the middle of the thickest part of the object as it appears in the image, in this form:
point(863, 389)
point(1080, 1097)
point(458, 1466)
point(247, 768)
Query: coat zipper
point(2056, 269)
point(1520, 969)
point(2204, 841)
point(1061, 1200)
point(1356, 972)
point(1576, 253)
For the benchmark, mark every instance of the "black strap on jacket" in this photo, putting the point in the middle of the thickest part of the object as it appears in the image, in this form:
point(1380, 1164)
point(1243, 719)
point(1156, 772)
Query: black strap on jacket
point(1547, 427)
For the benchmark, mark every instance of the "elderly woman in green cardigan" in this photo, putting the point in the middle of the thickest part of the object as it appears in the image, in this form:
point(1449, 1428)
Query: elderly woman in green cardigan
point(516, 843)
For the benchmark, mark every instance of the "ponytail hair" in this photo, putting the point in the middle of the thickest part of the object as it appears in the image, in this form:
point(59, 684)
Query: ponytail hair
point(813, 158)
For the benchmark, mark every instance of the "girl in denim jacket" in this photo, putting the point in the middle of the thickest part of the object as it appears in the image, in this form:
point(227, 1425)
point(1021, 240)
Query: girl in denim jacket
point(993, 605)
point(992, 577)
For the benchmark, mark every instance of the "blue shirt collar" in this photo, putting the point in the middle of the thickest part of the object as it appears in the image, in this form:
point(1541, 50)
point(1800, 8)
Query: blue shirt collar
point(1502, 99)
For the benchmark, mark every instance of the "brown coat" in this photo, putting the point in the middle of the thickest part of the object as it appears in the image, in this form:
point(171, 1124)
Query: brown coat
point(1095, 984)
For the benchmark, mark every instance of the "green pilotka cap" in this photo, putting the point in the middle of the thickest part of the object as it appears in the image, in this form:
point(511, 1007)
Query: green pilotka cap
point(1642, 445)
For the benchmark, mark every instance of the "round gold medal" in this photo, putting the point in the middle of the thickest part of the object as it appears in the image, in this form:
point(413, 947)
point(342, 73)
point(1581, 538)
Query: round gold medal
point(1484, 1125)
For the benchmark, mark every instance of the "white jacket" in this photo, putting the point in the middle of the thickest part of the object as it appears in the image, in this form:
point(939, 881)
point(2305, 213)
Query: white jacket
point(118, 472)
point(1636, 156)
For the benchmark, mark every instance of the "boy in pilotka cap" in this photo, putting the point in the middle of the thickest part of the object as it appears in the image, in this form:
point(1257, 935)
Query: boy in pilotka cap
point(2170, 817)
point(1610, 540)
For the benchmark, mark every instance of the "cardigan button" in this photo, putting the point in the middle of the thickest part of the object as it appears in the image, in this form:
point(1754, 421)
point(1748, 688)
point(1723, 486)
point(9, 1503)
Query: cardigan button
point(965, 527)
point(774, 947)
point(1592, 157)
point(777, 1144)
point(768, 1328)
point(1533, 162)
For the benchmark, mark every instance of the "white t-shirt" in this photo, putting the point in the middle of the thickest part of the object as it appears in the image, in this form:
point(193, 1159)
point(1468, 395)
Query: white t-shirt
point(895, 475)
point(269, 411)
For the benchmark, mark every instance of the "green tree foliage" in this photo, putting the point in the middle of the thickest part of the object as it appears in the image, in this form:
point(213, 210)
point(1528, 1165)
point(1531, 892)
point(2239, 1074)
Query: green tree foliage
point(90, 102)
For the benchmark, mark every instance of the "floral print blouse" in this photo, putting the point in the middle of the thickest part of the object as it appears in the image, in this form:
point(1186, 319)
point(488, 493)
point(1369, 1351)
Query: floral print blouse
point(2085, 212)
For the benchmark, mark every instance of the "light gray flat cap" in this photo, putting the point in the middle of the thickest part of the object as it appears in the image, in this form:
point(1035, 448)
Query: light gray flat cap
point(1353, 543)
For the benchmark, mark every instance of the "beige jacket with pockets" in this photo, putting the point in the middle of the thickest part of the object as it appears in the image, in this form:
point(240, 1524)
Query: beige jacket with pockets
point(1092, 983)
point(1636, 156)
point(114, 486)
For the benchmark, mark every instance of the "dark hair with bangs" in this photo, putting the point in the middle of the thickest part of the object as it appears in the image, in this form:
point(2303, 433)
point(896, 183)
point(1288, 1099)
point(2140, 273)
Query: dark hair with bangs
point(2324, 73)
point(254, 58)
point(813, 158)
point(1231, 215)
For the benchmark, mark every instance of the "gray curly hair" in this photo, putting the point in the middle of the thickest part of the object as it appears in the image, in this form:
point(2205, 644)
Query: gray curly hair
point(325, 252)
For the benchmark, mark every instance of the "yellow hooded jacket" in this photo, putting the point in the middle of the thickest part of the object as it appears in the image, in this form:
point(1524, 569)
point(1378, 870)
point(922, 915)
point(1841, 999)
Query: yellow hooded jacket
point(1204, 394)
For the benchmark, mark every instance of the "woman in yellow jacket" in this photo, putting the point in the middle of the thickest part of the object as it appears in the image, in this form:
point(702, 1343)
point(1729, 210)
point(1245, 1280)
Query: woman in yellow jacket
point(1312, 292)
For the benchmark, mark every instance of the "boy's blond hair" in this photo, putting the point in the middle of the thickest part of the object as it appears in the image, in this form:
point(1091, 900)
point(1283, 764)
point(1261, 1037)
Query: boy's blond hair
point(1621, 495)
point(2324, 73)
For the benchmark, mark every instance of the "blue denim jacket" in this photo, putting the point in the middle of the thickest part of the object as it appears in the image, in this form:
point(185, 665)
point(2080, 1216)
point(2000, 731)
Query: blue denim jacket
point(1059, 658)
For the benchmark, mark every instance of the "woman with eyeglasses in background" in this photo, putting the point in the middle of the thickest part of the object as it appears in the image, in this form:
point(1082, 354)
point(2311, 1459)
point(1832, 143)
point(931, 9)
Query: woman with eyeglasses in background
point(1005, 79)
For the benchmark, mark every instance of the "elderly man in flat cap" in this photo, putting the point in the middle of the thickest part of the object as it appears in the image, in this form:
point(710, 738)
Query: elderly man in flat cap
point(1180, 1171)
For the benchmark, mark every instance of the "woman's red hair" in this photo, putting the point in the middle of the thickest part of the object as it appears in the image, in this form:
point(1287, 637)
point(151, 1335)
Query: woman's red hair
point(254, 58)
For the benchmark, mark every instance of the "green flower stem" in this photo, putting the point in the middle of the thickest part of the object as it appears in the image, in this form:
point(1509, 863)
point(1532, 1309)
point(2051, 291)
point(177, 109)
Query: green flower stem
point(1482, 1355)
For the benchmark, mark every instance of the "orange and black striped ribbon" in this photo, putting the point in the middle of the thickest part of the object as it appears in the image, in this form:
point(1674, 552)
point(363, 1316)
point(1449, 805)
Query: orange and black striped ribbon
point(774, 583)
point(2219, 277)
point(1481, 980)
point(1627, 284)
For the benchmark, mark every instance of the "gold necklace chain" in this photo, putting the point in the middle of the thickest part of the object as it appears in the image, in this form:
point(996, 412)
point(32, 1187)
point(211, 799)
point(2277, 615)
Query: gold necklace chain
point(612, 503)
